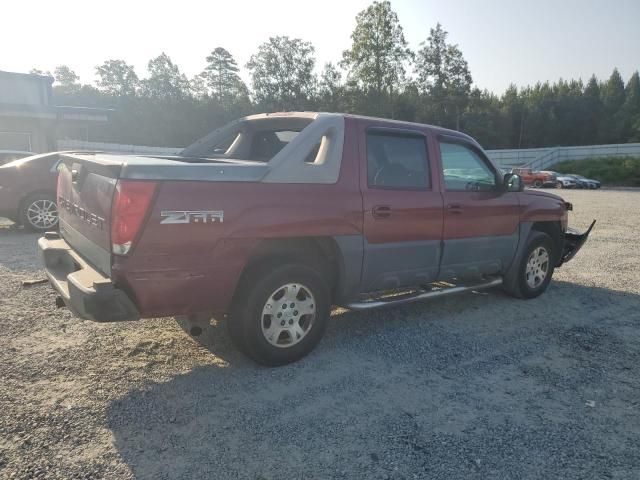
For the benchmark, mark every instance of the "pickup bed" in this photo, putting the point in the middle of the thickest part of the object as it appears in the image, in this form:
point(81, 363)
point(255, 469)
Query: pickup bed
point(274, 218)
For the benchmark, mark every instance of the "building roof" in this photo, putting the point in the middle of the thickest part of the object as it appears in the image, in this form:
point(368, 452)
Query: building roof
point(29, 95)
point(56, 112)
point(27, 76)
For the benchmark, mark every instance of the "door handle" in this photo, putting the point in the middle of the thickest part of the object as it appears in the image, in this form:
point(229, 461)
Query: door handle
point(381, 211)
point(454, 208)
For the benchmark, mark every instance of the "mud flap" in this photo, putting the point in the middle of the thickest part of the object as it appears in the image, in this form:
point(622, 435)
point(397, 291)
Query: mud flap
point(573, 242)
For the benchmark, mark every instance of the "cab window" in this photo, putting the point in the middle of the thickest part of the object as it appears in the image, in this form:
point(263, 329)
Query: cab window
point(397, 161)
point(464, 169)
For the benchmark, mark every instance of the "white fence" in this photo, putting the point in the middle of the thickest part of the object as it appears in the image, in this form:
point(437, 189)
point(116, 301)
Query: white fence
point(541, 158)
point(115, 147)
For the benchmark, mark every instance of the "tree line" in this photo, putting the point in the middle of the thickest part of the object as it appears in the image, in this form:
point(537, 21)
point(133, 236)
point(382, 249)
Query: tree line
point(378, 75)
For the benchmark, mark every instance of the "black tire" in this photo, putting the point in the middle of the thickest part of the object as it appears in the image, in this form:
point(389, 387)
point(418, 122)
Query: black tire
point(535, 241)
point(246, 316)
point(559, 185)
point(537, 183)
point(25, 217)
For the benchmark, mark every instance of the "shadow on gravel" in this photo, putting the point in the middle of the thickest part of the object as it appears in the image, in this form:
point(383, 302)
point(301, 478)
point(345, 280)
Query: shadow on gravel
point(481, 386)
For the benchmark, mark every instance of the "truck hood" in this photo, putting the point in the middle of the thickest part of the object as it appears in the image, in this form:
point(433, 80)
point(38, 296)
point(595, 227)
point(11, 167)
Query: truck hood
point(538, 193)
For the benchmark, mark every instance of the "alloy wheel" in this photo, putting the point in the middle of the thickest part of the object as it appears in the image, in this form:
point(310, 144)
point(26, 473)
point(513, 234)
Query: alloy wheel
point(42, 214)
point(537, 267)
point(288, 315)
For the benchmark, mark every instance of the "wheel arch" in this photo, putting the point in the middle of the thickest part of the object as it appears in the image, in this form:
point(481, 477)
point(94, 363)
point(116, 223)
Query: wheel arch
point(554, 230)
point(322, 253)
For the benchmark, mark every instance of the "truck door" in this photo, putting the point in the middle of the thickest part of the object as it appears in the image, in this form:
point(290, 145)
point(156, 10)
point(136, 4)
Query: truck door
point(481, 219)
point(402, 212)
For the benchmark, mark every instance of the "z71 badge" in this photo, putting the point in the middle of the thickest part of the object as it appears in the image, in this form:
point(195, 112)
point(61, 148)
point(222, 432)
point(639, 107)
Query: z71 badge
point(192, 216)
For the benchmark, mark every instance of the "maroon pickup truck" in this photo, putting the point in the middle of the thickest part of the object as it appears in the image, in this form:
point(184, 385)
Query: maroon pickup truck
point(275, 218)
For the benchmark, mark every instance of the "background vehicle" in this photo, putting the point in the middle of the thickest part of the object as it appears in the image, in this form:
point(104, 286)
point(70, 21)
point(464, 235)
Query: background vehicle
point(28, 191)
point(534, 178)
point(298, 212)
point(583, 182)
point(564, 181)
point(9, 155)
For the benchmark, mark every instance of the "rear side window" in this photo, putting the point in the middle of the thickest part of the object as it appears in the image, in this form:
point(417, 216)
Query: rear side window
point(464, 169)
point(397, 161)
point(267, 144)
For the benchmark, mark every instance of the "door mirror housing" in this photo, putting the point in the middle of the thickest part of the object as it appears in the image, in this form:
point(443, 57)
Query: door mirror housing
point(512, 182)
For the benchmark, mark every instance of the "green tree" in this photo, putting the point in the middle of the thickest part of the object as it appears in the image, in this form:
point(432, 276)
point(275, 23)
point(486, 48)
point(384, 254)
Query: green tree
point(221, 75)
point(484, 120)
point(631, 110)
point(514, 114)
point(612, 94)
point(199, 87)
point(444, 74)
point(592, 104)
point(330, 88)
point(165, 80)
point(66, 79)
point(378, 54)
point(282, 73)
point(117, 78)
point(568, 117)
point(539, 102)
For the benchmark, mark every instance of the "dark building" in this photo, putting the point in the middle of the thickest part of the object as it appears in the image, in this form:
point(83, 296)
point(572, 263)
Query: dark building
point(30, 121)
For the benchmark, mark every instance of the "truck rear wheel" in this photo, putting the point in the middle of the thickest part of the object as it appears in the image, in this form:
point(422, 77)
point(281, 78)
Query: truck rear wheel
point(537, 183)
point(280, 313)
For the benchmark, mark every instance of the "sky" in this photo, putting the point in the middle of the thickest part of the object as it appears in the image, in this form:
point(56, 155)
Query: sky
point(504, 41)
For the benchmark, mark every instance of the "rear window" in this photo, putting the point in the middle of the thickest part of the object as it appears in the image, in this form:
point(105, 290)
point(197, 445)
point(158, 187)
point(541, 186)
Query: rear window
point(267, 144)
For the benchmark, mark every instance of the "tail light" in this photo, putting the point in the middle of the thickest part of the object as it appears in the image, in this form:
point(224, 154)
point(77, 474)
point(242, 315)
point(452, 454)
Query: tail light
point(131, 203)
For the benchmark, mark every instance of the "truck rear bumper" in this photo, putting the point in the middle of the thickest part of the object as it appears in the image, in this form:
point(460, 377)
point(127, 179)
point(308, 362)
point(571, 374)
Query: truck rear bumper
point(87, 292)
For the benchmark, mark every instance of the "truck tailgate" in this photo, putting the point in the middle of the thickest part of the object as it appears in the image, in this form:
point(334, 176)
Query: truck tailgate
point(86, 187)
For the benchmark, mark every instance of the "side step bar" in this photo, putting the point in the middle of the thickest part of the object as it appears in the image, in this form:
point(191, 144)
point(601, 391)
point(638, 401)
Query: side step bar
point(400, 299)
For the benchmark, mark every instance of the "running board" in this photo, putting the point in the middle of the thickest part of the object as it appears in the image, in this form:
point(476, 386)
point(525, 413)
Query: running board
point(371, 304)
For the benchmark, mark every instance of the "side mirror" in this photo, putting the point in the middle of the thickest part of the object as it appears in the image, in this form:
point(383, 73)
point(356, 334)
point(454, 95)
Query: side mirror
point(512, 182)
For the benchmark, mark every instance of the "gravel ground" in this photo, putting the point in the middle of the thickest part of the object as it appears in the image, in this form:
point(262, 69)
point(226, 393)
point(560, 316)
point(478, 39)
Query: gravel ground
point(474, 386)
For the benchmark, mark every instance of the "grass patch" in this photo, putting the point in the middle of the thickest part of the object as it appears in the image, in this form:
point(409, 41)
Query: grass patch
point(610, 171)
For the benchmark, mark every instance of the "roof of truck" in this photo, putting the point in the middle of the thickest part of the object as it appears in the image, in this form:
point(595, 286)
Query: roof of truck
point(287, 166)
point(398, 123)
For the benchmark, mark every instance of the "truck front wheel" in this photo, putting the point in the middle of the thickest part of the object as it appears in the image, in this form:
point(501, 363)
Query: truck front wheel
point(280, 313)
point(535, 267)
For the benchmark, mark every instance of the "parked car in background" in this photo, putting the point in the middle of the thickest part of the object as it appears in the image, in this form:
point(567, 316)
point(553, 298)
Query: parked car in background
point(534, 178)
point(28, 191)
point(562, 180)
point(7, 156)
point(583, 182)
point(565, 181)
